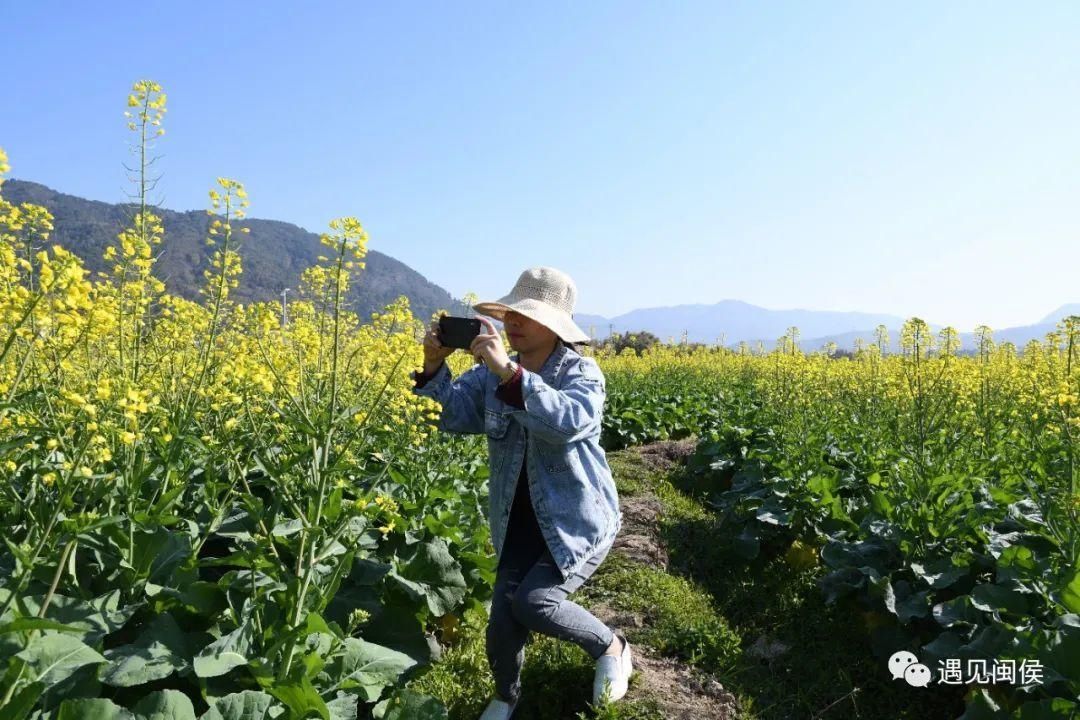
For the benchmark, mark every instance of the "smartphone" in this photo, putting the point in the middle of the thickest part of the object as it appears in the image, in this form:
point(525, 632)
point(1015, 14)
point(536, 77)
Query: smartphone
point(458, 332)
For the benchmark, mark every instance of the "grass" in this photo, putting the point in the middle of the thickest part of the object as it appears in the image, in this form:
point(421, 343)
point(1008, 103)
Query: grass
point(680, 619)
point(556, 680)
point(709, 609)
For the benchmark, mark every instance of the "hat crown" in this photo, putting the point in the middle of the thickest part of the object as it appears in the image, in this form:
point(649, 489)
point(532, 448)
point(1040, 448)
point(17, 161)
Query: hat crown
point(547, 285)
point(545, 295)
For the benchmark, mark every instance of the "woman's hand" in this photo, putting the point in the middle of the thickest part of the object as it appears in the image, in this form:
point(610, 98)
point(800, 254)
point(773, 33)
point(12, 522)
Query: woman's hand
point(489, 348)
point(434, 351)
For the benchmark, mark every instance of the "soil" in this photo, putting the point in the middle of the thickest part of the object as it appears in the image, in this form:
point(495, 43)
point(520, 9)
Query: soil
point(682, 691)
point(639, 538)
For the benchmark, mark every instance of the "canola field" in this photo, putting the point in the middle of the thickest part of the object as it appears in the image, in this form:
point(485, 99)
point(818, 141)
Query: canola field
point(209, 514)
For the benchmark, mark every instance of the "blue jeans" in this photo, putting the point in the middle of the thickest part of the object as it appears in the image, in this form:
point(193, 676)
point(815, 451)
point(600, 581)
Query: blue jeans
point(530, 594)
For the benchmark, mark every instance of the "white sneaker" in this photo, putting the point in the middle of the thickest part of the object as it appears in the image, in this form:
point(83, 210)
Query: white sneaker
point(498, 710)
point(612, 674)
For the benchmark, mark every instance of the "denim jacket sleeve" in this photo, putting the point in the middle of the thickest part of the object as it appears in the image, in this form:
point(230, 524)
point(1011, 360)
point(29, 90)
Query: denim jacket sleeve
point(462, 399)
point(572, 412)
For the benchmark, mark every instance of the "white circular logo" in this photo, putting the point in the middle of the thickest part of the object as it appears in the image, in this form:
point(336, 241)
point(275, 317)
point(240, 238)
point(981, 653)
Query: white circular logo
point(899, 662)
point(917, 675)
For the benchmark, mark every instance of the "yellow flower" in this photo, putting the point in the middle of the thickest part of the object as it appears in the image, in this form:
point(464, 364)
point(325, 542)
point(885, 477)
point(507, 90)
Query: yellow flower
point(386, 503)
point(127, 437)
point(386, 529)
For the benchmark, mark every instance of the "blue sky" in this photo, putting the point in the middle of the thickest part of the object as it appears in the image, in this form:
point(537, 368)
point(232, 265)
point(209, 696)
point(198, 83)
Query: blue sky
point(917, 158)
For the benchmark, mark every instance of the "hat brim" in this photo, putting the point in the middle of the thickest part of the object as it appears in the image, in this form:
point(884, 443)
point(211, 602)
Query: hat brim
point(558, 322)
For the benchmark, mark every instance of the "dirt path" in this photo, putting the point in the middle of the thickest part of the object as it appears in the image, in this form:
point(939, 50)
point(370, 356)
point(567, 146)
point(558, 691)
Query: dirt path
point(681, 691)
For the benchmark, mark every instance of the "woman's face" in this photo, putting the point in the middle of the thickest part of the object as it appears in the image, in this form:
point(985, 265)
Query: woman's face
point(526, 335)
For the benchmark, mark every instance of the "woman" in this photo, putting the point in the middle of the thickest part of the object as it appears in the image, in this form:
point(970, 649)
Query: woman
point(553, 508)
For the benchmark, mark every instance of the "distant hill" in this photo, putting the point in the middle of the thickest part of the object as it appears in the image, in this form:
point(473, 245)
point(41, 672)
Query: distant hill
point(273, 254)
point(738, 321)
point(1019, 336)
point(1064, 311)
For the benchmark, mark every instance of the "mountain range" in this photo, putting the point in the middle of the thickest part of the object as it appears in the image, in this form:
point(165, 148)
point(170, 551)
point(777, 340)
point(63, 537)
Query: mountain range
point(736, 321)
point(275, 253)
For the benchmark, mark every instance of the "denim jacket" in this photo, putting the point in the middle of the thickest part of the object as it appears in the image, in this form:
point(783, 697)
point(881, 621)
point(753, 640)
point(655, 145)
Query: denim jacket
point(557, 435)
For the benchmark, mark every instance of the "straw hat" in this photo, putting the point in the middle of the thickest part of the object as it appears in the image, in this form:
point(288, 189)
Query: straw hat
point(547, 296)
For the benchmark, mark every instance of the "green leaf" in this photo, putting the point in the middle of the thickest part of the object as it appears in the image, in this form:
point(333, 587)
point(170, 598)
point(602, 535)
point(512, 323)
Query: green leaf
point(1051, 709)
point(369, 667)
point(902, 603)
point(1070, 596)
point(946, 645)
point(225, 653)
point(916, 605)
point(411, 705)
point(165, 705)
point(288, 527)
point(990, 597)
point(159, 651)
point(201, 597)
point(1063, 646)
point(981, 707)
point(301, 698)
point(774, 516)
point(52, 658)
point(958, 610)
point(333, 506)
point(395, 625)
point(431, 574)
point(237, 525)
point(874, 552)
point(158, 554)
point(840, 583)
point(92, 709)
point(343, 707)
point(940, 573)
point(992, 641)
point(879, 501)
point(95, 618)
point(22, 702)
point(23, 624)
point(246, 705)
point(166, 500)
